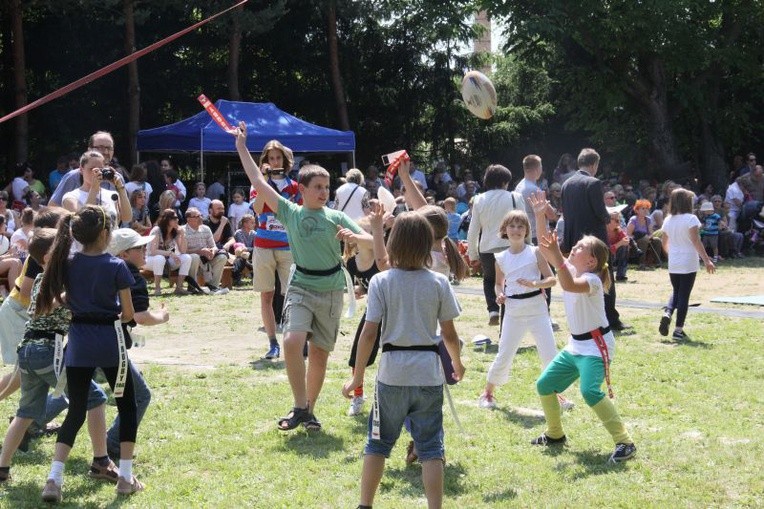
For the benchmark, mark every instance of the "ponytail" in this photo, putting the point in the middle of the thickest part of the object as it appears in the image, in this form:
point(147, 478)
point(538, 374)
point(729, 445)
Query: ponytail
point(54, 277)
point(604, 275)
point(455, 262)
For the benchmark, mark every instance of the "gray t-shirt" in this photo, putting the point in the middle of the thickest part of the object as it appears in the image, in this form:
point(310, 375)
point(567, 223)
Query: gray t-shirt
point(409, 304)
point(526, 188)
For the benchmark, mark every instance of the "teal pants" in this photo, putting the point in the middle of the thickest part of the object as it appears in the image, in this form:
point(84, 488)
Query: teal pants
point(565, 368)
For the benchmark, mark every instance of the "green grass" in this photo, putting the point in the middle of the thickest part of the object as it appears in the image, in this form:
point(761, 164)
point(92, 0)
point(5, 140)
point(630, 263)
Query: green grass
point(209, 438)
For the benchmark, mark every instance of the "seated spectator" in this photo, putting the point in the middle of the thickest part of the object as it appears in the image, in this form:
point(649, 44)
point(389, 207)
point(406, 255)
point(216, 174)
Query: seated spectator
point(618, 242)
point(20, 185)
point(216, 191)
point(141, 221)
point(8, 215)
point(20, 238)
point(10, 266)
point(373, 179)
point(34, 200)
point(138, 181)
point(640, 229)
point(733, 201)
point(168, 248)
point(205, 255)
point(166, 201)
point(174, 184)
point(245, 243)
point(730, 242)
point(200, 201)
point(752, 185)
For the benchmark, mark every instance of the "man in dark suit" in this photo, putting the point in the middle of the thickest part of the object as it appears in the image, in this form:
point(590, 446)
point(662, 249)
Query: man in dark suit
point(585, 214)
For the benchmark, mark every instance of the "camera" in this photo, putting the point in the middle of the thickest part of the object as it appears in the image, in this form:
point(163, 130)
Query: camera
point(275, 171)
point(392, 157)
point(107, 174)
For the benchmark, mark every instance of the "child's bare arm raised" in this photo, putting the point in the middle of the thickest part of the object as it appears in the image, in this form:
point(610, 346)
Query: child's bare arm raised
point(253, 171)
point(551, 250)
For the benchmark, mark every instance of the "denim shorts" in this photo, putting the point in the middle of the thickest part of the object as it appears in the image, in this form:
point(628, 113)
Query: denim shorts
point(423, 405)
point(38, 377)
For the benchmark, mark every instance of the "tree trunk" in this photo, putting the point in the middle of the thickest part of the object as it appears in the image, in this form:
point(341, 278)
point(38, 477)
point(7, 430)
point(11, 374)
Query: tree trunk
point(234, 55)
point(133, 86)
point(19, 79)
point(650, 90)
point(334, 66)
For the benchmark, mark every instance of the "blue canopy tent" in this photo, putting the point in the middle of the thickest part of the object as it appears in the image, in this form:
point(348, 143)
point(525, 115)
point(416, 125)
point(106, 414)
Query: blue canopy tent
point(265, 122)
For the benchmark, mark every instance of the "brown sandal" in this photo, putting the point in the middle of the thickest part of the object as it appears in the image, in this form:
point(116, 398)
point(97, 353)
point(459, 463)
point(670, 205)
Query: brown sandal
point(108, 472)
point(128, 488)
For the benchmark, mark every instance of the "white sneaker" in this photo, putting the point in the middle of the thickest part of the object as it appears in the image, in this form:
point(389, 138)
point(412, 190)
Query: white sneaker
point(221, 291)
point(487, 401)
point(356, 405)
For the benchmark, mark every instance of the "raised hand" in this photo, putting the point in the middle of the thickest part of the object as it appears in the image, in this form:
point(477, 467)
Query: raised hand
point(538, 202)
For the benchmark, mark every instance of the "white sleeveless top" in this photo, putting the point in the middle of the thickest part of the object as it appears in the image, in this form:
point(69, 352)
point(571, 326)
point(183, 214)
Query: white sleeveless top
point(522, 265)
point(104, 200)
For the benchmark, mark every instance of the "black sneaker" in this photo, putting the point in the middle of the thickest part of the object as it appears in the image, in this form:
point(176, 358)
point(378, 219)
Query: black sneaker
point(664, 326)
point(623, 452)
point(545, 440)
point(679, 335)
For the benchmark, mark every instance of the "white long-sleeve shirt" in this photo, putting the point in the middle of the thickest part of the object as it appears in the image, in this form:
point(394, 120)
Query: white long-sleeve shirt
point(488, 210)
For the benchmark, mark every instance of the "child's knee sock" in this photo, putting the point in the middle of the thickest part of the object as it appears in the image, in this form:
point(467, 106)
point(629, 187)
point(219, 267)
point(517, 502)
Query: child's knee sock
point(126, 470)
point(552, 412)
point(607, 413)
point(57, 472)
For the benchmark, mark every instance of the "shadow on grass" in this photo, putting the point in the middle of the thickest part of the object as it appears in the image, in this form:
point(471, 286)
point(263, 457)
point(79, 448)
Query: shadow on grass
point(687, 342)
point(523, 418)
point(315, 444)
point(263, 364)
point(453, 482)
point(587, 463)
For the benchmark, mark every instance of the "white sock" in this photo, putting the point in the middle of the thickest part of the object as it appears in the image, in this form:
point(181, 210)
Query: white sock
point(126, 469)
point(57, 472)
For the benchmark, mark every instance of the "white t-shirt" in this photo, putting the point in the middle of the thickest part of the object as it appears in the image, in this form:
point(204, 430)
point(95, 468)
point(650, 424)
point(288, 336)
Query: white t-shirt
point(682, 255)
point(522, 265)
point(18, 187)
point(203, 204)
point(352, 194)
point(145, 186)
point(20, 235)
point(734, 192)
point(104, 200)
point(585, 313)
point(236, 211)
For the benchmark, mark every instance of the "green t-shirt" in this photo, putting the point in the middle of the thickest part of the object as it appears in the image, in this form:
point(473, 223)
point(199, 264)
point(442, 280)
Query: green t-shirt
point(312, 238)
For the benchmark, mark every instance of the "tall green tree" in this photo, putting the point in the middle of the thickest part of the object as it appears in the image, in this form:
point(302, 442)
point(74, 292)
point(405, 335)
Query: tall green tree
point(645, 68)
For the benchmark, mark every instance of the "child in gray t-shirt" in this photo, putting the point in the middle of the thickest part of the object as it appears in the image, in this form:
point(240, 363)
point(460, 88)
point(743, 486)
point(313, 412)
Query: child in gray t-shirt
point(410, 301)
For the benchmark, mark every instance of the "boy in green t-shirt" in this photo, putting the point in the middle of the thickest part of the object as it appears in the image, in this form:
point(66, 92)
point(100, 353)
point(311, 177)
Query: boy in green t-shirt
point(313, 304)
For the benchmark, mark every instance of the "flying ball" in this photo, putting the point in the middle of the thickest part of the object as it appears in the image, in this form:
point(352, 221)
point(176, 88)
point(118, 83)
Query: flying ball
point(479, 94)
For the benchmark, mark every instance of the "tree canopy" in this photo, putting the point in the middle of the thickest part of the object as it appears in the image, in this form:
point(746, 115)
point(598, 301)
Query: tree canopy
point(661, 88)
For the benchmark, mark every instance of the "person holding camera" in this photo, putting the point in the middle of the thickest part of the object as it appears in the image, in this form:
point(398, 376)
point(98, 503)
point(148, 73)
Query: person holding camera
point(93, 170)
point(100, 141)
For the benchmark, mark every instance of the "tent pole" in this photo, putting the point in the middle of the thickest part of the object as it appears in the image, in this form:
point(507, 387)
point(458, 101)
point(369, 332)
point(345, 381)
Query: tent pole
point(352, 158)
point(201, 153)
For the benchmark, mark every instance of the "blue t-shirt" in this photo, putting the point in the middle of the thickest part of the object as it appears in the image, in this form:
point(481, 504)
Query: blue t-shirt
point(454, 221)
point(92, 291)
point(711, 224)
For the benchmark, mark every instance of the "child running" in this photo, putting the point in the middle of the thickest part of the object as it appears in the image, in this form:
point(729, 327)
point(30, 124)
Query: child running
point(409, 301)
point(314, 296)
point(97, 287)
point(681, 241)
point(521, 275)
point(584, 278)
